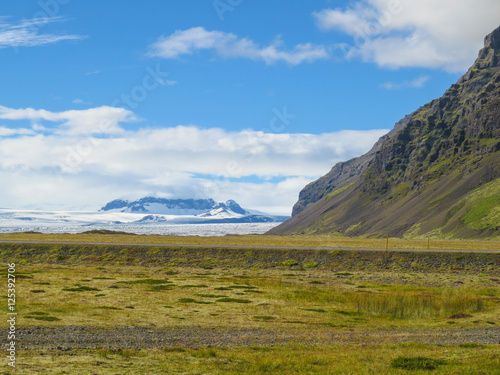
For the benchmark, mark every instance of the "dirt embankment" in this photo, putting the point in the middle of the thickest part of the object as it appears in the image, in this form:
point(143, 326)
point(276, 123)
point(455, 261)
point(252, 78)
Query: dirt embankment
point(207, 257)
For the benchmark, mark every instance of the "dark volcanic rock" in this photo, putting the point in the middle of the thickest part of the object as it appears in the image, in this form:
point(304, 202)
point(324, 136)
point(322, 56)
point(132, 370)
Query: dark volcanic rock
point(343, 173)
point(436, 174)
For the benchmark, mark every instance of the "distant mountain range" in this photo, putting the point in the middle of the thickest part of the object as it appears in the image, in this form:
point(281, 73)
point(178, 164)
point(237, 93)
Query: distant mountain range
point(436, 174)
point(148, 210)
point(198, 210)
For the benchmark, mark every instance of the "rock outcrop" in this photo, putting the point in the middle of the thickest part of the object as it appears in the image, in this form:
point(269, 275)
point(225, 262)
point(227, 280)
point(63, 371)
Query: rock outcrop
point(436, 174)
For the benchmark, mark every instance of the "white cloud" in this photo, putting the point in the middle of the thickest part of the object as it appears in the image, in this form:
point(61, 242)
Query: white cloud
point(417, 83)
point(80, 101)
point(351, 21)
point(27, 33)
point(228, 45)
point(260, 170)
point(38, 127)
point(101, 120)
point(445, 34)
point(6, 132)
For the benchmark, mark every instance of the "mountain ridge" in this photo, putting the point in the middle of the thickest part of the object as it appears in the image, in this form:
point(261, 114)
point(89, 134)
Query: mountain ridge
point(342, 173)
point(436, 174)
point(203, 210)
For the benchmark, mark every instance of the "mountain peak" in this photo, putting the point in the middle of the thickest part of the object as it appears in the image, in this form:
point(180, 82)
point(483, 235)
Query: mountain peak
point(437, 176)
point(193, 211)
point(493, 40)
point(489, 56)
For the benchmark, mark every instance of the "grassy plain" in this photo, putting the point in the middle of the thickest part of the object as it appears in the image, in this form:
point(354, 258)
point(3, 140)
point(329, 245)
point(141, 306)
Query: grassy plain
point(344, 359)
point(208, 311)
point(259, 240)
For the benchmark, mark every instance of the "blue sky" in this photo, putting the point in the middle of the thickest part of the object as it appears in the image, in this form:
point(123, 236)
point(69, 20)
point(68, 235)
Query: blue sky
point(229, 99)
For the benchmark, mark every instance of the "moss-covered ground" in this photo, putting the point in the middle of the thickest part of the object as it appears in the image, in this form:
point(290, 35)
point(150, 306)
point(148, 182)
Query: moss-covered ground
point(335, 312)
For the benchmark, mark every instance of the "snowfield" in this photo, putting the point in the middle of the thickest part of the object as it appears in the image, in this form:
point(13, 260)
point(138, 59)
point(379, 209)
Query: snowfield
point(140, 223)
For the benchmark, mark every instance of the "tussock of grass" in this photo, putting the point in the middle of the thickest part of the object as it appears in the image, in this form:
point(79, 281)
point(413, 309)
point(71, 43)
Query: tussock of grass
point(81, 289)
point(204, 353)
point(233, 300)
point(159, 288)
point(471, 345)
point(194, 286)
point(348, 313)
point(416, 363)
point(264, 317)
point(186, 300)
point(124, 353)
point(108, 307)
point(174, 350)
point(43, 318)
point(241, 287)
point(145, 281)
point(402, 305)
point(210, 295)
point(192, 300)
point(311, 264)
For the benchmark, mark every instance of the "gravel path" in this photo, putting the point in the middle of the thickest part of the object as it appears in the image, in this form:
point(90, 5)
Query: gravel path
point(127, 337)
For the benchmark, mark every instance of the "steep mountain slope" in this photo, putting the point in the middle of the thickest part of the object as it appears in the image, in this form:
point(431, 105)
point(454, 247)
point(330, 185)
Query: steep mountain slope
point(436, 175)
point(343, 173)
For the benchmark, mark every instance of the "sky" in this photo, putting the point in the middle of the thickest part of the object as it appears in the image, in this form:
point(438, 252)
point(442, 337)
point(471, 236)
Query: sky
point(248, 100)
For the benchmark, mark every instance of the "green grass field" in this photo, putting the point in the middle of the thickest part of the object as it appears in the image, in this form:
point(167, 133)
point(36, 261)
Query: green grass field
point(251, 312)
point(343, 359)
point(259, 240)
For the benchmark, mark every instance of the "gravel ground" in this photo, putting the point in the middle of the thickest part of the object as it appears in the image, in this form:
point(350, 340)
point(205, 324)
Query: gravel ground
point(127, 337)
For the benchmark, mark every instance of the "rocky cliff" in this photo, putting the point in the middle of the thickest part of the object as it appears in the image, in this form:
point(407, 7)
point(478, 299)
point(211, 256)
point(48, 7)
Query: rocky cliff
point(343, 173)
point(436, 174)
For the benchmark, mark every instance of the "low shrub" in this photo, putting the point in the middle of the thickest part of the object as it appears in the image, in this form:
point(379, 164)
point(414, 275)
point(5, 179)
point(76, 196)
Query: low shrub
point(417, 363)
point(311, 265)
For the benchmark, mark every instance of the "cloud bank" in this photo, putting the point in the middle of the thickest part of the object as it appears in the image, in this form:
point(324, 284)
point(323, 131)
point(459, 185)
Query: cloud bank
point(445, 34)
point(27, 33)
point(46, 164)
point(228, 45)
point(101, 120)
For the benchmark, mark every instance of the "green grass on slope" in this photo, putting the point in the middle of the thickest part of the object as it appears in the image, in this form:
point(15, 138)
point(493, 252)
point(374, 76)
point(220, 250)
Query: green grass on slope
point(483, 207)
point(338, 191)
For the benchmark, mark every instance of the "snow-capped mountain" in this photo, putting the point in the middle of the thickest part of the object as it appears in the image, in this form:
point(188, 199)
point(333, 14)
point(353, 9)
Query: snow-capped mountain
point(161, 206)
point(164, 206)
point(145, 211)
point(188, 210)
